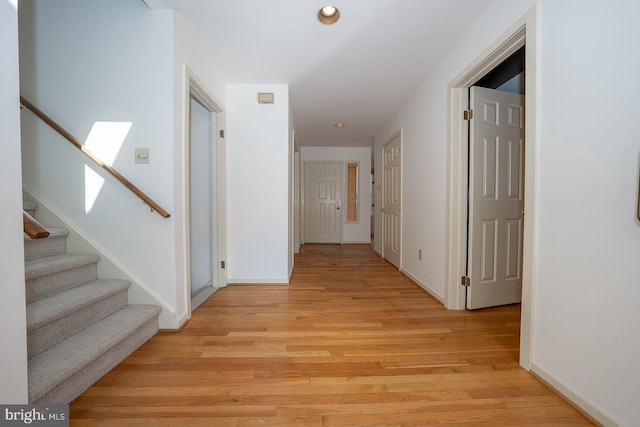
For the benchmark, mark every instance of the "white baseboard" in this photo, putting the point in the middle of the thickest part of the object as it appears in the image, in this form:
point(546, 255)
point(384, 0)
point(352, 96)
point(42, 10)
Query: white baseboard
point(202, 296)
point(423, 285)
point(575, 398)
point(258, 281)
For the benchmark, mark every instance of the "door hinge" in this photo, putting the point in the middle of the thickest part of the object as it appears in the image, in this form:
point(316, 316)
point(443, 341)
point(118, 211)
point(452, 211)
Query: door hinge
point(221, 133)
point(223, 264)
point(466, 281)
point(468, 114)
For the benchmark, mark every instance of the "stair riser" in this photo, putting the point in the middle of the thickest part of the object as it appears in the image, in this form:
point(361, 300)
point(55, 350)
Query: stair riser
point(52, 284)
point(55, 332)
point(30, 207)
point(40, 248)
point(86, 377)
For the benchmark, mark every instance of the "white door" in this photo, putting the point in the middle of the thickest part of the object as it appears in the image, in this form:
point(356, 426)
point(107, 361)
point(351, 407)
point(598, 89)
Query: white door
point(323, 202)
point(496, 199)
point(391, 201)
point(202, 250)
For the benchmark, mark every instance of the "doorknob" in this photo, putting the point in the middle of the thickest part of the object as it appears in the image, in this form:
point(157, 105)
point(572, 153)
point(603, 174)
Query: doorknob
point(338, 205)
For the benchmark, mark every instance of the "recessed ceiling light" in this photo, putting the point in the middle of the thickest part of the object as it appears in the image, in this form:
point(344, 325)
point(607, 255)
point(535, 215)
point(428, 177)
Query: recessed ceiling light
point(329, 10)
point(339, 125)
point(328, 14)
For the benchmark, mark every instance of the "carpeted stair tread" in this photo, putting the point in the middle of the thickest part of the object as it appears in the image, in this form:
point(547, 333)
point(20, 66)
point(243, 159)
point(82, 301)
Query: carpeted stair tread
point(54, 264)
point(78, 327)
point(59, 363)
point(54, 232)
point(50, 309)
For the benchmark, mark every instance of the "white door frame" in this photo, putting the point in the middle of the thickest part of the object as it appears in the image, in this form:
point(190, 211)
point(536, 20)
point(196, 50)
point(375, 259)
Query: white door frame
point(456, 239)
point(194, 87)
point(399, 134)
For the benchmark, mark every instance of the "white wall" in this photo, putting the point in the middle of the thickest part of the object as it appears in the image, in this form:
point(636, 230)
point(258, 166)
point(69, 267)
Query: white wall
point(258, 145)
point(190, 51)
point(90, 61)
point(134, 68)
point(423, 181)
point(586, 313)
point(13, 369)
point(351, 232)
point(587, 237)
point(191, 60)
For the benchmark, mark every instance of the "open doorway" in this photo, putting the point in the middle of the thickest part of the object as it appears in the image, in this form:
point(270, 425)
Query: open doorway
point(205, 217)
point(202, 196)
point(495, 207)
point(524, 30)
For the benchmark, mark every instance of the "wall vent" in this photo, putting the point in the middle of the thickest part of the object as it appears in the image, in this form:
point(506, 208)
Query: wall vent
point(265, 98)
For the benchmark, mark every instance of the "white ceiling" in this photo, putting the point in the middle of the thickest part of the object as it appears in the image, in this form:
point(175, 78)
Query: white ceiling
point(357, 71)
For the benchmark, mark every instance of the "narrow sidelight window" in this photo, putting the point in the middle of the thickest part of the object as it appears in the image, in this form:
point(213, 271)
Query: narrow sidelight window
point(352, 192)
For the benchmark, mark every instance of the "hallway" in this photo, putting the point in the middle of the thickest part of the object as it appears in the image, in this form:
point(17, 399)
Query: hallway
point(350, 341)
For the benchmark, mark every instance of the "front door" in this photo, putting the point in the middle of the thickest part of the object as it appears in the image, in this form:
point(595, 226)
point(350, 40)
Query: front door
point(391, 202)
point(496, 198)
point(323, 202)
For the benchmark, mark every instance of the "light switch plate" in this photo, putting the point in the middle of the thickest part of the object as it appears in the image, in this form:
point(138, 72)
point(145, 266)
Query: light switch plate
point(142, 155)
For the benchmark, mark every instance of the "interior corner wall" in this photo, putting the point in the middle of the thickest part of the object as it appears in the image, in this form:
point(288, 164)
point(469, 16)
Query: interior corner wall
point(586, 235)
point(95, 61)
point(190, 51)
point(257, 184)
point(13, 369)
point(359, 232)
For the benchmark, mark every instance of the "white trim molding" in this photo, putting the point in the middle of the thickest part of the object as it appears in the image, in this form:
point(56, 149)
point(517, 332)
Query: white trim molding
point(590, 410)
point(428, 289)
point(193, 86)
point(524, 31)
point(258, 281)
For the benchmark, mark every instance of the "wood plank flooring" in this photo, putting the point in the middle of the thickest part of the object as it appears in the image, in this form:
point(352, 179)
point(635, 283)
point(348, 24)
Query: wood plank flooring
point(350, 342)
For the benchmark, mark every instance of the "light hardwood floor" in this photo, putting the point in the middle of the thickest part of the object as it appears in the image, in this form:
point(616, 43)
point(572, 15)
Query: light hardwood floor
point(350, 342)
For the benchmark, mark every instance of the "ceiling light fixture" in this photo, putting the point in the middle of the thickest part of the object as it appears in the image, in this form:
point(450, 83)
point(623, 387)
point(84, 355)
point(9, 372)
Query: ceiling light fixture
point(339, 125)
point(328, 14)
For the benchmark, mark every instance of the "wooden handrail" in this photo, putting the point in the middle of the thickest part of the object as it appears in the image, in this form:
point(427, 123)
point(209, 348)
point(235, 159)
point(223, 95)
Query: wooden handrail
point(33, 227)
point(146, 199)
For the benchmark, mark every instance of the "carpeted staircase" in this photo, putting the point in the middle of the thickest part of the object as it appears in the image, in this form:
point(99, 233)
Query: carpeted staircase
point(78, 327)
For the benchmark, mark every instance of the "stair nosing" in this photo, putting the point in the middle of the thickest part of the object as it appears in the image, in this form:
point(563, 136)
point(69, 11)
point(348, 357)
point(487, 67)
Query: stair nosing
point(53, 264)
point(98, 290)
point(53, 232)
